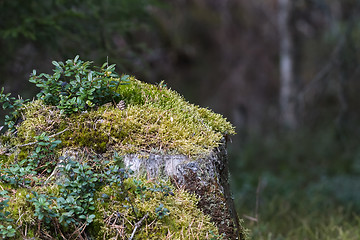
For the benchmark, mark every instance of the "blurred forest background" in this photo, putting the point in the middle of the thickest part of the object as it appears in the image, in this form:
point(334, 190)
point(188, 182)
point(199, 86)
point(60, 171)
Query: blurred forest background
point(284, 72)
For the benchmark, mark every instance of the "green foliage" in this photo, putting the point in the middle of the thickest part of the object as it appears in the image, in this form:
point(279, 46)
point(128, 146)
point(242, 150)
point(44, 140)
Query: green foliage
point(60, 26)
point(156, 117)
point(16, 175)
point(42, 158)
point(14, 105)
point(77, 189)
point(42, 203)
point(80, 185)
point(3, 203)
point(6, 230)
point(77, 186)
point(64, 11)
point(75, 87)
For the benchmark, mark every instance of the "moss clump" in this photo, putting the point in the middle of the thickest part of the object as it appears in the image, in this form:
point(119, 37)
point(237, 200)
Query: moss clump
point(156, 119)
point(184, 221)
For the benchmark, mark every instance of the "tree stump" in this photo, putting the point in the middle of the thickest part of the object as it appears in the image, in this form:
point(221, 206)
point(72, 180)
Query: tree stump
point(159, 135)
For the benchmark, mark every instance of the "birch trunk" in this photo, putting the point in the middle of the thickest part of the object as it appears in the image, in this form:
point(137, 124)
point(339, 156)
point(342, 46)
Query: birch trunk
point(288, 92)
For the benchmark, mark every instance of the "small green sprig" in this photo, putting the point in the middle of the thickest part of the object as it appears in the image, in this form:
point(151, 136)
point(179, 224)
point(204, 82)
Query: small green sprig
point(14, 105)
point(44, 207)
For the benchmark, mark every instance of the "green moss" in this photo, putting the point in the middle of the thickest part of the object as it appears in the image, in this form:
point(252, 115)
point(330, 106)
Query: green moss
point(168, 100)
point(4, 159)
point(38, 118)
point(19, 208)
point(155, 119)
point(185, 220)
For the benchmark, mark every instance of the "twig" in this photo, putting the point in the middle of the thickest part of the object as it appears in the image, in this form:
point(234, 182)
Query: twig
point(137, 225)
point(47, 235)
point(19, 219)
point(250, 218)
point(51, 175)
point(257, 203)
point(59, 229)
point(79, 230)
point(32, 143)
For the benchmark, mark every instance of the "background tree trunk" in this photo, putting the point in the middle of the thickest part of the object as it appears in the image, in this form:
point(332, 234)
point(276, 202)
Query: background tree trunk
point(288, 91)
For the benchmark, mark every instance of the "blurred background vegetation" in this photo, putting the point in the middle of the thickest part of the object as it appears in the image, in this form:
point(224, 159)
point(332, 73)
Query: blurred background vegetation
point(294, 177)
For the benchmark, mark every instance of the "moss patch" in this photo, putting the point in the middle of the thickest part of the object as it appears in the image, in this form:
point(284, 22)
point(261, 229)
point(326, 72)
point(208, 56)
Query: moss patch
point(185, 220)
point(156, 119)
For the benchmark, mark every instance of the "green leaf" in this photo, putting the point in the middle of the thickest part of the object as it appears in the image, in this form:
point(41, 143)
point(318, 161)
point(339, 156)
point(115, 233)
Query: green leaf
point(56, 64)
point(68, 167)
point(90, 218)
point(125, 78)
point(6, 105)
point(4, 192)
point(90, 77)
point(38, 149)
point(104, 65)
point(111, 67)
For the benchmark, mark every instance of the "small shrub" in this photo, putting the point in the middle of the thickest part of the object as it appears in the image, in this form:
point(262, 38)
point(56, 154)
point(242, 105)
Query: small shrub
point(75, 86)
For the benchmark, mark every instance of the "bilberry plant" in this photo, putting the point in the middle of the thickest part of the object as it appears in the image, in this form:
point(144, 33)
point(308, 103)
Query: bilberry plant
point(76, 86)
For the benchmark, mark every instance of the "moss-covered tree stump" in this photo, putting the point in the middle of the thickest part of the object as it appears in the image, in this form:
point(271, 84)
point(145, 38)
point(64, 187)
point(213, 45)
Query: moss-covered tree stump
point(145, 165)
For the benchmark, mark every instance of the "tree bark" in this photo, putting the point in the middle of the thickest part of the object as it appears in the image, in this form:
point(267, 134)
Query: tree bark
point(288, 88)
